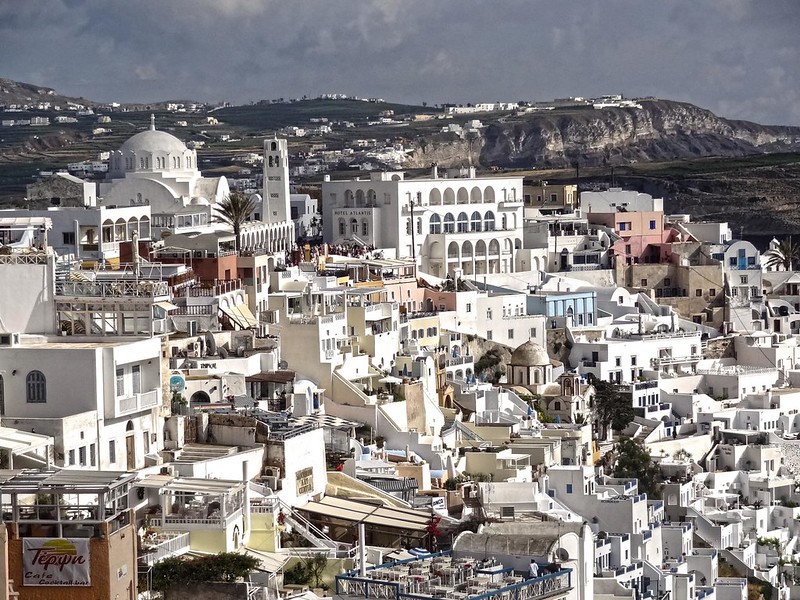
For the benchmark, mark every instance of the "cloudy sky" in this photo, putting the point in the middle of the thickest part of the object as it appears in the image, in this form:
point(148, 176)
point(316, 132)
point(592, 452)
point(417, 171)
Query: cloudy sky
point(739, 58)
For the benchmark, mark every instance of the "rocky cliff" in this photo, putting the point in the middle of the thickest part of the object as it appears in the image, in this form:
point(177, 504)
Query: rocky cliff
point(660, 130)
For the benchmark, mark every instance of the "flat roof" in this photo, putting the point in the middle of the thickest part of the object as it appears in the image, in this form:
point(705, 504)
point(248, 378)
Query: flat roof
point(19, 442)
point(75, 480)
point(195, 485)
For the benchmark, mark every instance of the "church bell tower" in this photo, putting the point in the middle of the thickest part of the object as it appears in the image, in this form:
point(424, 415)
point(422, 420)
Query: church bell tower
point(276, 182)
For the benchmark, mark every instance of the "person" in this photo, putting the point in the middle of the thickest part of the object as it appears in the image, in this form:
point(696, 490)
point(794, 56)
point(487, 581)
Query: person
point(533, 571)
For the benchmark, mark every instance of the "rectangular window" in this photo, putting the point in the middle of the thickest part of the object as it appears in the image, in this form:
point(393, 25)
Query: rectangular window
point(469, 307)
point(712, 292)
point(732, 261)
point(618, 361)
point(652, 224)
point(533, 332)
point(569, 488)
point(136, 377)
point(120, 382)
point(633, 360)
point(92, 455)
point(69, 238)
point(489, 335)
point(511, 334)
point(644, 282)
point(622, 226)
point(71, 457)
point(112, 451)
point(667, 282)
point(82, 456)
point(743, 279)
point(305, 481)
point(698, 292)
point(627, 248)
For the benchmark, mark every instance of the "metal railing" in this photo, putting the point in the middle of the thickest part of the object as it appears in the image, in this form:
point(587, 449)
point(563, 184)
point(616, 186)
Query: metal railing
point(172, 544)
point(112, 288)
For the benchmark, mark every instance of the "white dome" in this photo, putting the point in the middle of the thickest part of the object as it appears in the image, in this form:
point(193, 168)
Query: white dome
point(153, 141)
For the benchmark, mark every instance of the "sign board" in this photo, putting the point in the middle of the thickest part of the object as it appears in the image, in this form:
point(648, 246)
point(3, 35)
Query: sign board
point(177, 383)
point(55, 562)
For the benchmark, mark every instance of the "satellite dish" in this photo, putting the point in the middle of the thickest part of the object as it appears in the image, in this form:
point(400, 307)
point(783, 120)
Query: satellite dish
point(561, 555)
point(283, 365)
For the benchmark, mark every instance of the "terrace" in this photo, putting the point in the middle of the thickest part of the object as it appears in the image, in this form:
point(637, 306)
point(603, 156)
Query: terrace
point(443, 576)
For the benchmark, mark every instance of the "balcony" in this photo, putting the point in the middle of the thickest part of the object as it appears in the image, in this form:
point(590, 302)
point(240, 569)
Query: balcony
point(216, 288)
point(196, 520)
point(137, 402)
point(120, 288)
point(163, 545)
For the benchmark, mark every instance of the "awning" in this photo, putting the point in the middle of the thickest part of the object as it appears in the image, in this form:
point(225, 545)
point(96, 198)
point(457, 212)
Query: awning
point(235, 315)
point(247, 314)
point(281, 376)
point(20, 442)
point(371, 514)
point(167, 306)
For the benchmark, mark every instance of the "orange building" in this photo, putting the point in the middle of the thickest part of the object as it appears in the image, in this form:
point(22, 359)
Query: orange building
point(69, 534)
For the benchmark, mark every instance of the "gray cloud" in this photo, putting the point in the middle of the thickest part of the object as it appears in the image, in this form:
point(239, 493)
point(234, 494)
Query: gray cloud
point(735, 57)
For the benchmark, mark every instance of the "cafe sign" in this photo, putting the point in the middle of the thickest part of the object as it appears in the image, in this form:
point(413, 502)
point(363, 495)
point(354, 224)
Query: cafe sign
point(55, 562)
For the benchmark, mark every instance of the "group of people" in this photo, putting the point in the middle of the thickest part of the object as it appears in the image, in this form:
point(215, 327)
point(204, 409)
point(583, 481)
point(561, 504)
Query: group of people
point(311, 253)
point(535, 570)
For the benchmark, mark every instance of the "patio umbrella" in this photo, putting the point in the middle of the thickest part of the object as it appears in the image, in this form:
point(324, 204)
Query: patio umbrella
point(390, 379)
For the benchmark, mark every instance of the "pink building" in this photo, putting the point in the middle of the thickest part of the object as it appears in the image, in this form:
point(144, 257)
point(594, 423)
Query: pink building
point(642, 233)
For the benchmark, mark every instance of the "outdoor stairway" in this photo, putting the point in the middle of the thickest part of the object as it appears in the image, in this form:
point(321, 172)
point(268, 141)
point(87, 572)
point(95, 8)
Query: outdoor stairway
point(306, 528)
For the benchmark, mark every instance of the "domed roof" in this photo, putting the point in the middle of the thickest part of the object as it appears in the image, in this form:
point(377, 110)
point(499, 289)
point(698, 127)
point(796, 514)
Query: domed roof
point(153, 140)
point(529, 353)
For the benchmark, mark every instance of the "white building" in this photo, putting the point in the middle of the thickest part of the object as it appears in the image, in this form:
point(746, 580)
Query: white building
point(472, 224)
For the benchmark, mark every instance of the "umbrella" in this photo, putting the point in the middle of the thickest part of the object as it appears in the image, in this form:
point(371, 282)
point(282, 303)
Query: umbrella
point(390, 379)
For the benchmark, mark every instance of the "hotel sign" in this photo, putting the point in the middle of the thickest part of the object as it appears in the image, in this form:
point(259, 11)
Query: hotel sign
point(55, 562)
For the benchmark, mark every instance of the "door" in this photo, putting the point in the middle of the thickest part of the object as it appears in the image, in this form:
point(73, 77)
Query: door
point(130, 451)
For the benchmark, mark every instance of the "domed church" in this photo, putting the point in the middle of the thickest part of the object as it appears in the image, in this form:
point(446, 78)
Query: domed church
point(157, 169)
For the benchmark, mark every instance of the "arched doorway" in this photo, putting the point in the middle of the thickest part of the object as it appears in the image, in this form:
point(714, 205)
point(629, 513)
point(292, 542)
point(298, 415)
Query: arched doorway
point(200, 397)
point(130, 446)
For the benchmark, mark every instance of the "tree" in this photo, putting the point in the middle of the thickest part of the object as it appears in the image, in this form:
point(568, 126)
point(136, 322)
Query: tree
point(783, 256)
point(233, 210)
point(611, 408)
point(634, 462)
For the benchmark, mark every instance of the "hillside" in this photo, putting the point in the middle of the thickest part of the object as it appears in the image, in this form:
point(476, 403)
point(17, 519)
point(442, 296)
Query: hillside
point(661, 130)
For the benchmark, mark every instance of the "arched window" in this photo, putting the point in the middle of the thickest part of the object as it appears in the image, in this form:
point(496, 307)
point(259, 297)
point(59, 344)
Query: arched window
point(35, 387)
point(475, 221)
point(462, 223)
point(341, 227)
point(436, 224)
point(354, 226)
point(449, 223)
point(488, 221)
point(364, 227)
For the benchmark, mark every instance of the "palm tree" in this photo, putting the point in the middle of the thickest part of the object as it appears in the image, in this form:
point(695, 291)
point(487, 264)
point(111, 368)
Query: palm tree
point(235, 209)
point(783, 255)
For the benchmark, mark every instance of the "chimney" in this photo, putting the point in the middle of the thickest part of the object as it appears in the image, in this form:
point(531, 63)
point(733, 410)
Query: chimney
point(434, 171)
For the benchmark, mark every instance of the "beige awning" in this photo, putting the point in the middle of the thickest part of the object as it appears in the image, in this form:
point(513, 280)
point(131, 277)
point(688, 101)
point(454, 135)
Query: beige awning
point(167, 306)
point(233, 315)
point(247, 315)
point(352, 510)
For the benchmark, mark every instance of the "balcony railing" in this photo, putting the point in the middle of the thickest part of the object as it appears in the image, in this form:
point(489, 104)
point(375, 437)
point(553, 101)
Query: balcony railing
point(137, 402)
point(165, 545)
point(24, 258)
point(121, 288)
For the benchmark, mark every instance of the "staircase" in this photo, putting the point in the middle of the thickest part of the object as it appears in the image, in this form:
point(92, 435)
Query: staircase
point(306, 528)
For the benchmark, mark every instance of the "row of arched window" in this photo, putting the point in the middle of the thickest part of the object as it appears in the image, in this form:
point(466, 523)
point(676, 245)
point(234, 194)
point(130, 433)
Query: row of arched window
point(160, 162)
point(463, 224)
